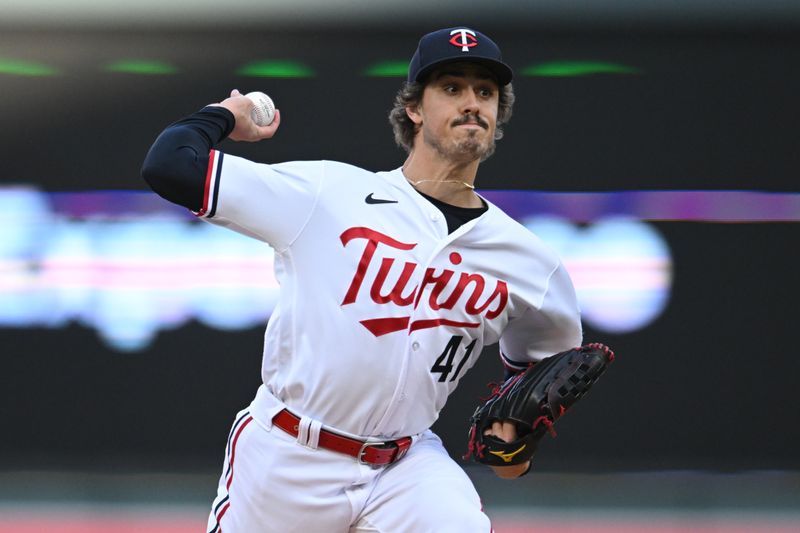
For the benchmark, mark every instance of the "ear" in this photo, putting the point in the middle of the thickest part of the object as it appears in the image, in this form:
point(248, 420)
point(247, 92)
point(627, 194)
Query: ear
point(414, 114)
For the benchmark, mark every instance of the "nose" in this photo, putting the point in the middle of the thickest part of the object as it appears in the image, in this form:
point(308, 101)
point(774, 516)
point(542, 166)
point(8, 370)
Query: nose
point(470, 104)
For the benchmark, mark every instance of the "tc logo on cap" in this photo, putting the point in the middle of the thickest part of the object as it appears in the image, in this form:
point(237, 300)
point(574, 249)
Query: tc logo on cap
point(464, 38)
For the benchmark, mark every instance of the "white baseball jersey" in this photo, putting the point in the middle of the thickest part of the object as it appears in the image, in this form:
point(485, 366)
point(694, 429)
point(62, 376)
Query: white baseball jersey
point(382, 311)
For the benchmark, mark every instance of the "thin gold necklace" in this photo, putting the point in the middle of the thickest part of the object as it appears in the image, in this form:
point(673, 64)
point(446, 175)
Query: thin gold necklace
point(464, 183)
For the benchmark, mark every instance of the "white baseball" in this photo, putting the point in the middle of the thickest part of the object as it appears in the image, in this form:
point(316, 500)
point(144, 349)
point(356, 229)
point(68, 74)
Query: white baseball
point(264, 111)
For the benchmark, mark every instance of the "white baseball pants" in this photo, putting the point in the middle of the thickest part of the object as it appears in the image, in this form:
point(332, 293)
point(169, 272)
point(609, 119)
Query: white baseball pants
point(272, 483)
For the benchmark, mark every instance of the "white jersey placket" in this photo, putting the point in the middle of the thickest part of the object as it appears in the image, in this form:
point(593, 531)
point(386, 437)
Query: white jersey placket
point(437, 224)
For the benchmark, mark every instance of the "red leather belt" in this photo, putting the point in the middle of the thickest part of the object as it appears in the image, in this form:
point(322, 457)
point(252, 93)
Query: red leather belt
point(371, 453)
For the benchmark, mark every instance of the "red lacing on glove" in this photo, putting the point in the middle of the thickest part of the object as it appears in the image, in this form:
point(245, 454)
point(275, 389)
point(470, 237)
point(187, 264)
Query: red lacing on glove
point(502, 389)
point(474, 447)
point(495, 391)
point(498, 389)
point(547, 422)
point(604, 348)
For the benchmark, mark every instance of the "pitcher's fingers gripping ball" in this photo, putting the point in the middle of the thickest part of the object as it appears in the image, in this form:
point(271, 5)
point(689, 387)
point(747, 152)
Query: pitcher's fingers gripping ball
point(534, 399)
point(263, 108)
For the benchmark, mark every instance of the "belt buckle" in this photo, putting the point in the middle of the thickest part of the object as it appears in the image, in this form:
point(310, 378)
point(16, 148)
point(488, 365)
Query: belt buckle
point(363, 450)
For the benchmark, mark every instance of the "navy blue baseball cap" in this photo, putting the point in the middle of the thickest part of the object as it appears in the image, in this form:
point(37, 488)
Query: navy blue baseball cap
point(457, 44)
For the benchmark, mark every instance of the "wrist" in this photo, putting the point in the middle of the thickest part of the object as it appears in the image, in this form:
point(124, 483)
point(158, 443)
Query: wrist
point(511, 471)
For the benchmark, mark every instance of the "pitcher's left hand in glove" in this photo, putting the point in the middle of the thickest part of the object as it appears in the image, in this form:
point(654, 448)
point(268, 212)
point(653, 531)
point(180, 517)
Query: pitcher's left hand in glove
point(533, 400)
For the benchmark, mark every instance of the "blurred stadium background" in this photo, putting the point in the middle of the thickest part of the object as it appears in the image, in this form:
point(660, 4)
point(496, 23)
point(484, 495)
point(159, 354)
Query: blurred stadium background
point(655, 144)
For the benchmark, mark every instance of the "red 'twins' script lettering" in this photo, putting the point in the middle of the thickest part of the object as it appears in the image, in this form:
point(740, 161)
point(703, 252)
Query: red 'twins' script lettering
point(403, 295)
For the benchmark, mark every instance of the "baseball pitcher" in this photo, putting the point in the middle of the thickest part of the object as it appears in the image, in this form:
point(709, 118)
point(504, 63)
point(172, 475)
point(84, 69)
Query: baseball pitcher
point(391, 285)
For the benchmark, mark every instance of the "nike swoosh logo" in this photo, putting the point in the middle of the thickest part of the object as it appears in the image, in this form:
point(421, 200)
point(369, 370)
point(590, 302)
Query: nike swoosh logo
point(371, 200)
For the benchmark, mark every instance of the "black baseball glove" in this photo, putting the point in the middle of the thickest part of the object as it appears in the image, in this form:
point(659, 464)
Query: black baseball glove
point(534, 399)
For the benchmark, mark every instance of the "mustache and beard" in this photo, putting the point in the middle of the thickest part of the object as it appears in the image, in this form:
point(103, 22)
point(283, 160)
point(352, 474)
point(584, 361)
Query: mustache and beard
point(464, 149)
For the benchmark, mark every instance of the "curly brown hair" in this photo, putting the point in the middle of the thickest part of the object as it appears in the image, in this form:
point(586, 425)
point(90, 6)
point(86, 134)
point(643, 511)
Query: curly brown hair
point(410, 94)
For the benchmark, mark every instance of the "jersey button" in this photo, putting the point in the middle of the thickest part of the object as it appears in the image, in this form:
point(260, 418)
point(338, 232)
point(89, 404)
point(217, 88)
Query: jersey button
point(435, 216)
point(415, 346)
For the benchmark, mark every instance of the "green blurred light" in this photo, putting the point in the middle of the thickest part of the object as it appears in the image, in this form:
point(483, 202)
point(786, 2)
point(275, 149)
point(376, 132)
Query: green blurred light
point(16, 67)
point(388, 69)
point(141, 66)
point(559, 69)
point(275, 69)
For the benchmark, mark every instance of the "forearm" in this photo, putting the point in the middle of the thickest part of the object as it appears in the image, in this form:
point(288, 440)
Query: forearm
point(176, 164)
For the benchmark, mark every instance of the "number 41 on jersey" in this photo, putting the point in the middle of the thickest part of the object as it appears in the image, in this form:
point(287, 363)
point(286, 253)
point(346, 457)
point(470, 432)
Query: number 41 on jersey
point(444, 363)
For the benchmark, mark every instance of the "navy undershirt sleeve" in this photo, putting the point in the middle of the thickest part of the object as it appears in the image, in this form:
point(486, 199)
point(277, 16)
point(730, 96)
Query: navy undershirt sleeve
point(175, 166)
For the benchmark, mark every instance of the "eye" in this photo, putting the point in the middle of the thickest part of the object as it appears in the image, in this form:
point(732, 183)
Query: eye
point(450, 88)
point(486, 92)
